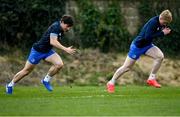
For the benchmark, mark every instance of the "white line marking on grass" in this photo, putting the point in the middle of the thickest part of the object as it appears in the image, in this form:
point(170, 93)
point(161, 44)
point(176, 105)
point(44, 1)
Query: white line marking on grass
point(93, 96)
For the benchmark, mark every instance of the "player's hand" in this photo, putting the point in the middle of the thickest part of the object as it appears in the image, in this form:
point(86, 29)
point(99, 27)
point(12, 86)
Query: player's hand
point(166, 31)
point(70, 50)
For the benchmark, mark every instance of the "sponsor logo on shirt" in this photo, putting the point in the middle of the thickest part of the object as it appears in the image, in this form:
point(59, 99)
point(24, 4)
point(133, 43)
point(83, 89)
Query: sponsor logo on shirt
point(134, 56)
point(32, 60)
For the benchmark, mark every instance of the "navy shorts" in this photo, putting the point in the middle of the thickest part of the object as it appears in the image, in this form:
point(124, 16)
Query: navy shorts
point(35, 57)
point(136, 52)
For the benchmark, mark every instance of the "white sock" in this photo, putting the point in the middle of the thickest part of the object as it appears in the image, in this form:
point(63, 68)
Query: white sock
point(11, 84)
point(47, 78)
point(112, 81)
point(152, 76)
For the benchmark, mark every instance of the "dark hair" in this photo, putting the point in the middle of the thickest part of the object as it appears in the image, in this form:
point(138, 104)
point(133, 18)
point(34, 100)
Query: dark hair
point(67, 19)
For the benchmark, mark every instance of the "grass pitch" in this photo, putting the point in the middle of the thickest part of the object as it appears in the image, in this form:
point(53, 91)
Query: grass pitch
point(91, 101)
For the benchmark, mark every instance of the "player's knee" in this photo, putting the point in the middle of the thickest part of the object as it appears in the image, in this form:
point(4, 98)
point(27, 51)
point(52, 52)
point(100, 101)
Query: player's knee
point(160, 57)
point(59, 65)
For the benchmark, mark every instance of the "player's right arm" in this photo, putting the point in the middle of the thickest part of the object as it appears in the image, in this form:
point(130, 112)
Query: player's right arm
point(149, 34)
point(54, 42)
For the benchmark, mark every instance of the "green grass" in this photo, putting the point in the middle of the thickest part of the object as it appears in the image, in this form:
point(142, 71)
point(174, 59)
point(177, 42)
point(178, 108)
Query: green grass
point(91, 100)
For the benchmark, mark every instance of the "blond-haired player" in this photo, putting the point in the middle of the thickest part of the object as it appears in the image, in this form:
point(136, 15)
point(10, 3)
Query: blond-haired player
point(142, 44)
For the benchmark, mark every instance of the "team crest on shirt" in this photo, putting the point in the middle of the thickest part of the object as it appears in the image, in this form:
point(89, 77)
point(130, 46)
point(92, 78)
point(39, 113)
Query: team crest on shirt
point(158, 28)
point(59, 34)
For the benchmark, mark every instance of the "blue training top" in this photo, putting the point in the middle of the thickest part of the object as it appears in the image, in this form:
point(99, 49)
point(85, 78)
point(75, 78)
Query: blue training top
point(43, 45)
point(152, 29)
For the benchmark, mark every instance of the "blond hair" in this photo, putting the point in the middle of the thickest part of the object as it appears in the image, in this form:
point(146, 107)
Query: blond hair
point(166, 15)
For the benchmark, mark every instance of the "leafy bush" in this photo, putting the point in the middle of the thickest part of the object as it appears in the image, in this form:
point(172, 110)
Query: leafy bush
point(102, 29)
point(23, 22)
point(89, 19)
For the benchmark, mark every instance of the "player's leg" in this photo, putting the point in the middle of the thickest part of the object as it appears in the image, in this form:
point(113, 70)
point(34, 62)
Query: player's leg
point(129, 62)
point(124, 68)
point(158, 57)
point(24, 72)
point(57, 64)
point(21, 74)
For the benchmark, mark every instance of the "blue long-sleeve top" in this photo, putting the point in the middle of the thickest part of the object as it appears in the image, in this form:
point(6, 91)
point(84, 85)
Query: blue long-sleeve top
point(152, 29)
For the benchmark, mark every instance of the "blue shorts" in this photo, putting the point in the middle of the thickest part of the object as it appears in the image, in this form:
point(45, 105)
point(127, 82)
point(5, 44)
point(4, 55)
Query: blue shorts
point(136, 52)
point(35, 57)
